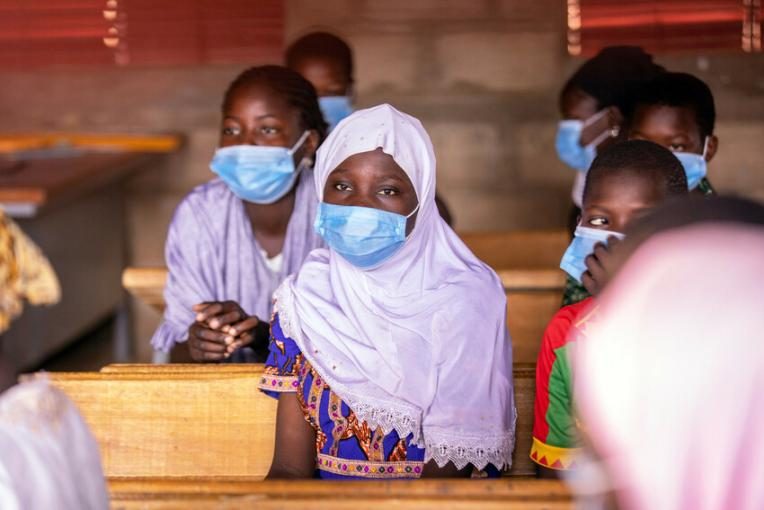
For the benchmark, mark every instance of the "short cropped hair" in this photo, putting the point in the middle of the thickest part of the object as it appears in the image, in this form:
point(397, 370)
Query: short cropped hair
point(321, 45)
point(643, 157)
point(680, 90)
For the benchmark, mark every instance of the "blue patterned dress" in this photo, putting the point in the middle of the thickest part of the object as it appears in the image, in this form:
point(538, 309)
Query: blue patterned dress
point(346, 447)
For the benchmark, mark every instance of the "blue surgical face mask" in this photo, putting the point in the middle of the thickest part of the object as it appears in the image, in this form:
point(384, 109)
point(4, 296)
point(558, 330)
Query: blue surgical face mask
point(258, 173)
point(695, 166)
point(364, 236)
point(335, 108)
point(581, 247)
point(568, 142)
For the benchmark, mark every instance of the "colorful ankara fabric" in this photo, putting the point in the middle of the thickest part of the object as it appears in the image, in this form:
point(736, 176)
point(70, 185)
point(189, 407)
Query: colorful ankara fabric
point(345, 446)
point(555, 429)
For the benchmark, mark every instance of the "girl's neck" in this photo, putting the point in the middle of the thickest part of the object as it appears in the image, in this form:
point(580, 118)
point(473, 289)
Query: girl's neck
point(271, 219)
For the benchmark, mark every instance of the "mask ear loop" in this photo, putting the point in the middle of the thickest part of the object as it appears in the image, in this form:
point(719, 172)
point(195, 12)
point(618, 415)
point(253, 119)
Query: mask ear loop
point(299, 142)
point(705, 147)
point(409, 215)
point(610, 132)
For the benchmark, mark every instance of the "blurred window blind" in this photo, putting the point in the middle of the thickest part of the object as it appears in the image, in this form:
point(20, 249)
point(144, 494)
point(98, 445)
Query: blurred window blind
point(79, 33)
point(664, 26)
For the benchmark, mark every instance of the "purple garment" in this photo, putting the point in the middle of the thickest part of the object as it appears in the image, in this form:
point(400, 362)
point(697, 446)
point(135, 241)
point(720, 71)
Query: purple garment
point(212, 255)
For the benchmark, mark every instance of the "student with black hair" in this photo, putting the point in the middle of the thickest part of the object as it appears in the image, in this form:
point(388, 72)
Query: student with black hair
point(676, 110)
point(624, 182)
point(234, 239)
point(593, 103)
point(326, 61)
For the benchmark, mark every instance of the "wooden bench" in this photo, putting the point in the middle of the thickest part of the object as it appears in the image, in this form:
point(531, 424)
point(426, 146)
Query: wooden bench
point(517, 494)
point(156, 421)
point(518, 249)
point(533, 296)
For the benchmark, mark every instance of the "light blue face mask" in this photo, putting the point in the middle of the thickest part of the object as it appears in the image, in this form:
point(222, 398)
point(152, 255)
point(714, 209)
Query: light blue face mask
point(364, 236)
point(568, 142)
point(335, 108)
point(695, 167)
point(581, 247)
point(258, 173)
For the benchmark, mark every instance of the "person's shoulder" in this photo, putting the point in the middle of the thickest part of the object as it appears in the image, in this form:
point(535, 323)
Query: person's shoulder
point(564, 320)
point(205, 200)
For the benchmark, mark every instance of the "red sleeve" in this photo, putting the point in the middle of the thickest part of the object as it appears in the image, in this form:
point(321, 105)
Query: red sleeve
point(555, 336)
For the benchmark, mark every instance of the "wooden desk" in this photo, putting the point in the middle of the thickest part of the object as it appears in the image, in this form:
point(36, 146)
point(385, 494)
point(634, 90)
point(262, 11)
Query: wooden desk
point(519, 494)
point(72, 207)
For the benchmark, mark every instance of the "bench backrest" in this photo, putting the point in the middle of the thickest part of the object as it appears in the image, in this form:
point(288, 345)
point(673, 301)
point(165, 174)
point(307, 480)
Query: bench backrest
point(533, 296)
point(518, 248)
point(206, 420)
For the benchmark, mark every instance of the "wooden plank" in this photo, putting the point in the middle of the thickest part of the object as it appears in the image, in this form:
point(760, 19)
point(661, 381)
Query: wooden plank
point(528, 314)
point(12, 143)
point(176, 424)
point(326, 494)
point(145, 416)
point(146, 284)
point(43, 182)
point(518, 249)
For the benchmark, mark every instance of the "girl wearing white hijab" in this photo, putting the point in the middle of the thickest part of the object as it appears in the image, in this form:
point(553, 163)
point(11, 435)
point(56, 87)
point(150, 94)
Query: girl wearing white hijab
point(389, 354)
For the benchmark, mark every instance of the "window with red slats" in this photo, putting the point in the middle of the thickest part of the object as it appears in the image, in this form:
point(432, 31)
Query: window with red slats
point(82, 33)
point(667, 26)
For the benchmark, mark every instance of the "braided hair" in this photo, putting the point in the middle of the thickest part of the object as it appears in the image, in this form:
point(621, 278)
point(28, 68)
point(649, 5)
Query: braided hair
point(298, 92)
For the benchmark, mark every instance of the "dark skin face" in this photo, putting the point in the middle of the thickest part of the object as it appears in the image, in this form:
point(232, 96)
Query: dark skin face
point(613, 203)
point(254, 115)
point(328, 76)
point(576, 104)
point(372, 179)
point(672, 127)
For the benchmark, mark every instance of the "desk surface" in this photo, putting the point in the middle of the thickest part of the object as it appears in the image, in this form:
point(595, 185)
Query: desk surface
point(30, 185)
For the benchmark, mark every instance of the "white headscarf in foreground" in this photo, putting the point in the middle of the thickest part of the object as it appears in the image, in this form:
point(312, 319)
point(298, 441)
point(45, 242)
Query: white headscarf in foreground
point(418, 344)
point(670, 380)
point(49, 458)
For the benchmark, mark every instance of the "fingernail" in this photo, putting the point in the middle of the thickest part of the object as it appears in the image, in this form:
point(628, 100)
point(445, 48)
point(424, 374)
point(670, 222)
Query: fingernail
point(199, 317)
point(228, 340)
point(214, 324)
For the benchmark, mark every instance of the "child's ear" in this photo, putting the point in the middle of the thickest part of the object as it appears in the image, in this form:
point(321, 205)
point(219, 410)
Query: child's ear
point(712, 147)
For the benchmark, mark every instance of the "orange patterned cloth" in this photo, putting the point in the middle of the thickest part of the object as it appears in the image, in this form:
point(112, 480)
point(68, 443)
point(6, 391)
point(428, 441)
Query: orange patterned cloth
point(25, 273)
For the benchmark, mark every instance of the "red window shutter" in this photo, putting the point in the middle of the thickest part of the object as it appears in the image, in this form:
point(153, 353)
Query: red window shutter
point(667, 26)
point(81, 33)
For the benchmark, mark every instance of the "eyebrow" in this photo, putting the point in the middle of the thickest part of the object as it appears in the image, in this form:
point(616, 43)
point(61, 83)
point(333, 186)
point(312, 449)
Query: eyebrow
point(267, 115)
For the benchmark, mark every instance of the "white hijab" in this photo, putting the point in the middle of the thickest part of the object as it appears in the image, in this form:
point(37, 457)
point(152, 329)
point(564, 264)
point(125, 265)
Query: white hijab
point(418, 344)
point(49, 458)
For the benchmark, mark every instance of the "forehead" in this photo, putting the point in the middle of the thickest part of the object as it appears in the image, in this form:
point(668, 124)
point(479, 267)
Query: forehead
point(625, 187)
point(321, 67)
point(665, 119)
point(577, 104)
point(374, 162)
point(258, 97)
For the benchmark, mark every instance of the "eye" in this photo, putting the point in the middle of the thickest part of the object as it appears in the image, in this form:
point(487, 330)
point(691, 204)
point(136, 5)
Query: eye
point(269, 130)
point(231, 131)
point(341, 186)
point(598, 221)
point(388, 192)
point(677, 147)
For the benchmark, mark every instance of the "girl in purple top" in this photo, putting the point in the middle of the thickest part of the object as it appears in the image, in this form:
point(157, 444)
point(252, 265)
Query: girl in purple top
point(234, 239)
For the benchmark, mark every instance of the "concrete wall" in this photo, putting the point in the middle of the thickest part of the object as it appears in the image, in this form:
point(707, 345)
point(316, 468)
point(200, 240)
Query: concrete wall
point(482, 75)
